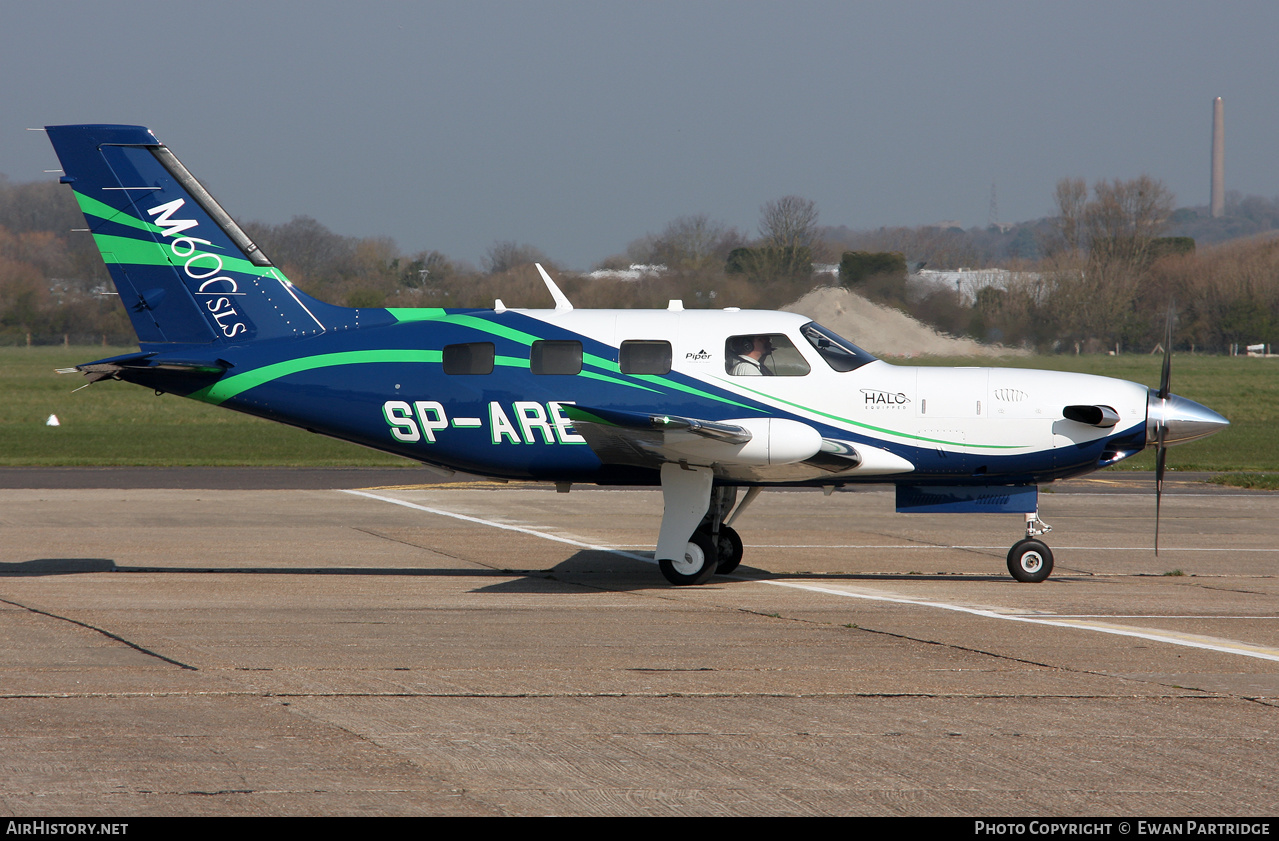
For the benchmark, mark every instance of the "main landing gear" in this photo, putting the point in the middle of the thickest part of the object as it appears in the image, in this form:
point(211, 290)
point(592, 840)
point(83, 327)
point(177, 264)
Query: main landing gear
point(695, 542)
point(698, 564)
point(1030, 560)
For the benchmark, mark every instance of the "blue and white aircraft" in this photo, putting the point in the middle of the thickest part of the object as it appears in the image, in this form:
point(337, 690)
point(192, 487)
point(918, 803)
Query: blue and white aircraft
point(704, 403)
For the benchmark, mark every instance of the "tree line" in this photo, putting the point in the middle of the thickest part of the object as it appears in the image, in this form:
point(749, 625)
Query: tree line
point(1100, 273)
point(1110, 272)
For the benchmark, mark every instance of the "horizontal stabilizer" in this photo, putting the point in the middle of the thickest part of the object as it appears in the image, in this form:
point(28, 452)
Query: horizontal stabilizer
point(114, 366)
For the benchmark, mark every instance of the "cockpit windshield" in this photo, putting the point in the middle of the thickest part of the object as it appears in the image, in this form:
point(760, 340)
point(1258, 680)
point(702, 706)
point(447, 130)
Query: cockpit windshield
point(839, 353)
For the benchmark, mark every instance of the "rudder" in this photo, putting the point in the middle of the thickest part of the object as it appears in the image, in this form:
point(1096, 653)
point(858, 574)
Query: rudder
point(186, 273)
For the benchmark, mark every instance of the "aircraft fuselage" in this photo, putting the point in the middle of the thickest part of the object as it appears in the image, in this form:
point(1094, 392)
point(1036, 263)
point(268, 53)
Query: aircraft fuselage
point(385, 386)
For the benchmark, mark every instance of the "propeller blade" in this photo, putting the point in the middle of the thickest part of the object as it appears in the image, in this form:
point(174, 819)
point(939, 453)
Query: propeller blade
point(1161, 451)
point(1165, 375)
point(1161, 459)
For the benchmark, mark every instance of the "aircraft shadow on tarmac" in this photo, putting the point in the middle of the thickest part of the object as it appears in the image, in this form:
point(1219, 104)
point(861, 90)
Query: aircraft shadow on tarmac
point(57, 566)
point(605, 568)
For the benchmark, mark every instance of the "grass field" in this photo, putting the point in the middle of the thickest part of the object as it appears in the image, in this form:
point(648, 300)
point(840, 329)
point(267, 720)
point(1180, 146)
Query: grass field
point(113, 423)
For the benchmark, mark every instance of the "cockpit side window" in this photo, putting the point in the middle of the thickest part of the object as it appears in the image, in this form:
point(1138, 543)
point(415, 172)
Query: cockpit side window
point(763, 354)
point(839, 353)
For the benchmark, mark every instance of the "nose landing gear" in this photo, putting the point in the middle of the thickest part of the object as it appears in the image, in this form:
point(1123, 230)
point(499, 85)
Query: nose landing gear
point(1030, 560)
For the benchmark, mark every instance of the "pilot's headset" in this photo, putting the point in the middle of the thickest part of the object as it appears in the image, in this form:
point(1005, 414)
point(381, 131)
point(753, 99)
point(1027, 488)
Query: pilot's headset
point(741, 345)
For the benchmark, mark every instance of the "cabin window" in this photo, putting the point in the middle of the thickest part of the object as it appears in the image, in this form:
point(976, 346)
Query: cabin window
point(470, 358)
point(643, 356)
point(554, 357)
point(839, 353)
point(763, 354)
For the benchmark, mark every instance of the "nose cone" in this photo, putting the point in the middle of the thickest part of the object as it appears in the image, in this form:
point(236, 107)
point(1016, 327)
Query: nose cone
point(1183, 420)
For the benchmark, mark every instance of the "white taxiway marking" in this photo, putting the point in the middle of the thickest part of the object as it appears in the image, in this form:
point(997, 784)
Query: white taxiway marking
point(522, 530)
point(1155, 635)
point(1002, 548)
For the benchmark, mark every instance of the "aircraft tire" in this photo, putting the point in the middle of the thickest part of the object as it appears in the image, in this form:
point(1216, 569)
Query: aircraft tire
point(730, 550)
point(1030, 561)
point(697, 566)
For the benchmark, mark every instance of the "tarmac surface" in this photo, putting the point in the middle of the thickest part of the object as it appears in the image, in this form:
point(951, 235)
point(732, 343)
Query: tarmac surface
point(275, 644)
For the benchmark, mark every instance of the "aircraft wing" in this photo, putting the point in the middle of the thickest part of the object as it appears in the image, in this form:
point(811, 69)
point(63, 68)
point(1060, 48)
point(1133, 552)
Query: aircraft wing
point(649, 440)
point(779, 449)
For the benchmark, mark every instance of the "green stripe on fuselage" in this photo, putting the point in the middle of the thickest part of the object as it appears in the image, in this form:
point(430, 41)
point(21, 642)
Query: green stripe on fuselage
point(417, 313)
point(520, 336)
point(695, 391)
point(577, 413)
point(238, 383)
point(229, 387)
point(517, 336)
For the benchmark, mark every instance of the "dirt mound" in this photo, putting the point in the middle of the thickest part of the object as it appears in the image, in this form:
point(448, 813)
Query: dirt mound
point(885, 331)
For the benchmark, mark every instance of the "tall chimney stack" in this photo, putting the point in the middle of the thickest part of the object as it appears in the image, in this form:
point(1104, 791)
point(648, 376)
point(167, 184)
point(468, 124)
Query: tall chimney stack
point(1218, 159)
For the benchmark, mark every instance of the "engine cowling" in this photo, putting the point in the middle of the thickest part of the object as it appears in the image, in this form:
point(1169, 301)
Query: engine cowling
point(773, 441)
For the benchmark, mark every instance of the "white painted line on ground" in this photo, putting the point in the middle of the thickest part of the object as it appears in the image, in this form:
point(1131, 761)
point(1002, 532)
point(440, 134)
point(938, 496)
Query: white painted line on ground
point(1160, 616)
point(1056, 548)
point(522, 530)
point(1170, 637)
point(1142, 490)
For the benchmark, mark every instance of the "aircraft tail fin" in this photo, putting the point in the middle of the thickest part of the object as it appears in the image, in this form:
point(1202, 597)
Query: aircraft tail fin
point(185, 271)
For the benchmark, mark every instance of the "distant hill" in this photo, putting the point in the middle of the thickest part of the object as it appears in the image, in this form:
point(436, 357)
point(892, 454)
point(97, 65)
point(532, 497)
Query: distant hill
point(1244, 217)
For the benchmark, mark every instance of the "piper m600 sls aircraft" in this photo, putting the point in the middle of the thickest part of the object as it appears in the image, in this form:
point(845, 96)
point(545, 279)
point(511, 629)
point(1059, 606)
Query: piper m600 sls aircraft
point(703, 403)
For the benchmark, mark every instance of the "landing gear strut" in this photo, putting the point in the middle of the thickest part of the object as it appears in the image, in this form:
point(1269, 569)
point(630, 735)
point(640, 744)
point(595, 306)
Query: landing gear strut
point(1030, 560)
point(694, 542)
point(686, 555)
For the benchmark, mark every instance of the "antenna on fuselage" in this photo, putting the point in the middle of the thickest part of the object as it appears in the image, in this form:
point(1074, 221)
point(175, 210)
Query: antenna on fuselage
point(562, 303)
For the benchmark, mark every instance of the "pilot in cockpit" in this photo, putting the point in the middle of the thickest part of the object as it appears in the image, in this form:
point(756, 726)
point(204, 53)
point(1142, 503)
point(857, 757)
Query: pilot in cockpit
point(748, 355)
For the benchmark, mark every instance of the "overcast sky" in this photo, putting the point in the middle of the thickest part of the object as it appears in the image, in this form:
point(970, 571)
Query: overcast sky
point(579, 126)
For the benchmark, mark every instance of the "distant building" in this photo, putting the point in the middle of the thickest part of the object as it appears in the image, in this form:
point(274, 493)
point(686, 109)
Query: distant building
point(968, 281)
point(637, 271)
